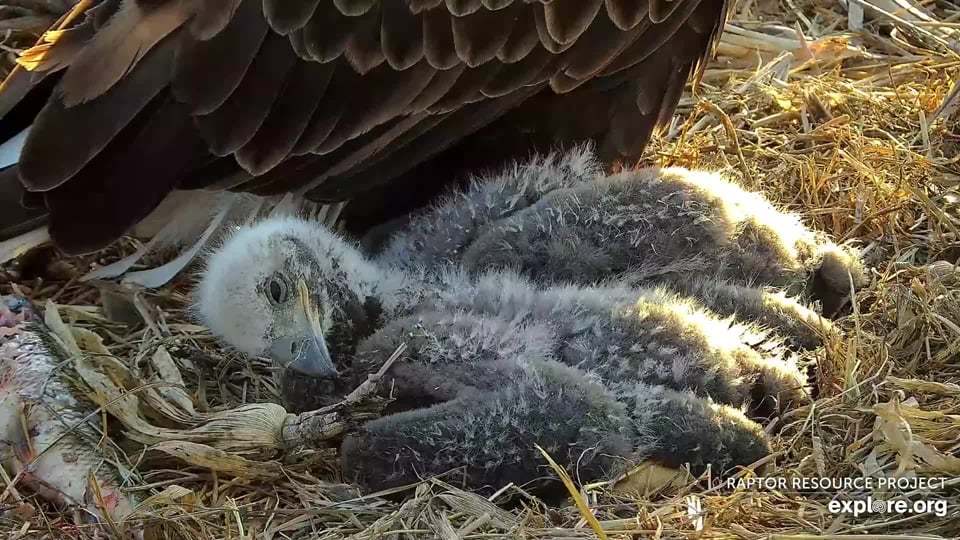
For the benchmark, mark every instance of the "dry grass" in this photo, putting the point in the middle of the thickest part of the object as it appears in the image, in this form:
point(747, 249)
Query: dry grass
point(848, 128)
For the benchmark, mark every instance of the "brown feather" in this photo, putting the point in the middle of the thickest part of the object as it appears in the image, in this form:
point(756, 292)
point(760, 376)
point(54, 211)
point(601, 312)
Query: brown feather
point(321, 125)
point(32, 200)
point(441, 83)
point(639, 104)
point(627, 14)
point(126, 182)
point(211, 17)
point(293, 174)
point(401, 33)
point(302, 92)
point(562, 83)
point(215, 174)
point(704, 19)
point(419, 6)
point(567, 19)
point(285, 16)
point(70, 28)
point(385, 95)
point(460, 8)
point(390, 142)
point(369, 121)
point(207, 72)
point(358, 154)
point(676, 82)
point(100, 14)
point(326, 33)
point(363, 50)
point(708, 11)
point(354, 8)
point(331, 108)
point(598, 47)
point(467, 89)
point(118, 47)
point(523, 37)
point(421, 142)
point(478, 37)
point(659, 79)
point(546, 39)
point(59, 49)
point(299, 46)
point(629, 130)
point(287, 176)
point(234, 123)
point(341, 186)
point(654, 37)
point(511, 77)
point(438, 45)
point(547, 71)
point(661, 9)
point(63, 139)
point(648, 97)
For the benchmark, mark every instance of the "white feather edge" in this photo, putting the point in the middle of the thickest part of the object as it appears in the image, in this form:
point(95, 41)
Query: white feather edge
point(234, 209)
point(193, 222)
point(181, 218)
point(161, 275)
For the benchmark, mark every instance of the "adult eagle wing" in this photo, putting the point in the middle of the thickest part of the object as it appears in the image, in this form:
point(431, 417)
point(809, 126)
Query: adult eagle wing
point(127, 100)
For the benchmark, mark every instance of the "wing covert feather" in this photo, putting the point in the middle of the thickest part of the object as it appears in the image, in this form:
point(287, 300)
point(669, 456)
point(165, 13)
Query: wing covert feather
point(326, 33)
point(206, 72)
point(401, 34)
point(438, 46)
point(285, 16)
point(299, 99)
point(119, 44)
point(479, 36)
point(566, 20)
point(233, 124)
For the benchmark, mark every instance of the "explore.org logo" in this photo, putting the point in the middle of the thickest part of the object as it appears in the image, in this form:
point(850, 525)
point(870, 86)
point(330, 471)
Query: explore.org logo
point(846, 500)
point(858, 507)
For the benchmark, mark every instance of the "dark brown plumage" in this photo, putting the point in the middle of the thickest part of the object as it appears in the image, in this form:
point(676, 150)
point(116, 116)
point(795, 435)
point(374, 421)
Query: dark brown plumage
point(332, 98)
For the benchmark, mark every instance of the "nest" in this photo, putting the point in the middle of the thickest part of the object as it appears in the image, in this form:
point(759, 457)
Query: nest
point(840, 113)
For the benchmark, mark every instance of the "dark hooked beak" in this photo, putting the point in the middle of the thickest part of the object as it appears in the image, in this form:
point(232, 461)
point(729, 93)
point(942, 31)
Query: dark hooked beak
point(305, 353)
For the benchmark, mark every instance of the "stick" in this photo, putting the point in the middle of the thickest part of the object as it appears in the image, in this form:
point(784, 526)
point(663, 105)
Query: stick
point(331, 422)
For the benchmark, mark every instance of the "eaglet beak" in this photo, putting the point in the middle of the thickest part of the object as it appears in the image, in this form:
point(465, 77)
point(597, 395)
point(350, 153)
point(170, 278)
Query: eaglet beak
point(305, 353)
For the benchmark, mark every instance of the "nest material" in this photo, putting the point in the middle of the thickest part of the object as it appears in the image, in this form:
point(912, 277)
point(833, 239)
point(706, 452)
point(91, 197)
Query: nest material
point(853, 129)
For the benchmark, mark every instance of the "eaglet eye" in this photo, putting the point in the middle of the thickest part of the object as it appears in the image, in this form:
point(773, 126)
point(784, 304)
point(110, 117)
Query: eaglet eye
point(277, 290)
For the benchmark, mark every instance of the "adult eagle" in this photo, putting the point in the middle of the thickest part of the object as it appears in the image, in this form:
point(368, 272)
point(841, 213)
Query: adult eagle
point(377, 101)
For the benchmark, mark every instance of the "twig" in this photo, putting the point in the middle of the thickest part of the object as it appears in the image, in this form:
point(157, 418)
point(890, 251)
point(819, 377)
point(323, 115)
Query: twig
point(330, 422)
point(907, 25)
point(731, 132)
